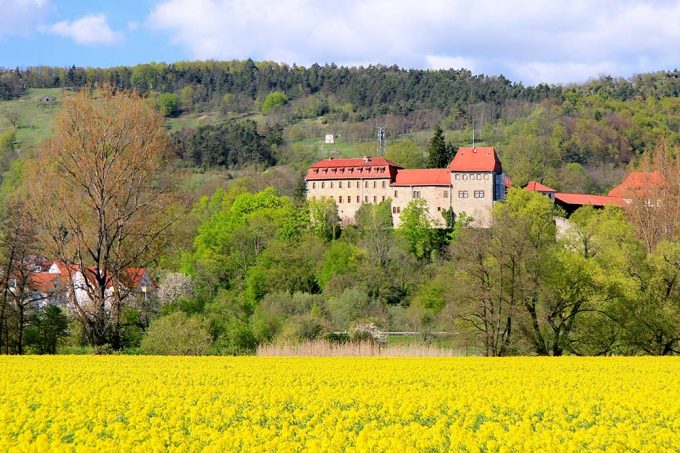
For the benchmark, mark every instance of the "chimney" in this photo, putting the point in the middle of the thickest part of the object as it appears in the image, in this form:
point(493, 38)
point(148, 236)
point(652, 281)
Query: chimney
point(366, 159)
point(474, 150)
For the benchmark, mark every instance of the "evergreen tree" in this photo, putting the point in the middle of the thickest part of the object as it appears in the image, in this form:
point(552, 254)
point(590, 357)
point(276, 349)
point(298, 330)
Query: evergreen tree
point(437, 152)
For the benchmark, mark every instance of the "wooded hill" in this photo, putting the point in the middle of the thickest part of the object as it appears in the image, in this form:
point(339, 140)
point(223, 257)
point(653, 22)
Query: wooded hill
point(231, 115)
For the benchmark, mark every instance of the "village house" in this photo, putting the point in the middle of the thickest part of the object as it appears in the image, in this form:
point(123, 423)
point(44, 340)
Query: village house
point(55, 283)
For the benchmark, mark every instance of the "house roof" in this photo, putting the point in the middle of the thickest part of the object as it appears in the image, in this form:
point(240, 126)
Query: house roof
point(483, 158)
point(423, 177)
point(130, 278)
point(535, 186)
point(360, 168)
point(586, 199)
point(507, 182)
point(44, 281)
point(636, 182)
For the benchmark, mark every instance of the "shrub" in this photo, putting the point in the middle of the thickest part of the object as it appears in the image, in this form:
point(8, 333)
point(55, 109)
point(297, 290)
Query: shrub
point(177, 334)
point(274, 99)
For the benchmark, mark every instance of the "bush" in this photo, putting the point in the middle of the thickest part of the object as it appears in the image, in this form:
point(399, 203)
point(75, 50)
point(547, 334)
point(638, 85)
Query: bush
point(274, 99)
point(177, 334)
point(167, 104)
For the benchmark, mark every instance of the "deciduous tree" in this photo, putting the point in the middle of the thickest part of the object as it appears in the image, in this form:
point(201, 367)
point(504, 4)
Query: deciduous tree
point(101, 195)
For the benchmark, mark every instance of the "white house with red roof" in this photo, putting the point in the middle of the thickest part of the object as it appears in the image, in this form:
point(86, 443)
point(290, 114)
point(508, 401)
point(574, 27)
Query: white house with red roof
point(471, 184)
point(134, 280)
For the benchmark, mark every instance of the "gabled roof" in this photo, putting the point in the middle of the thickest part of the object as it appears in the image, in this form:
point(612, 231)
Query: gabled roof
point(361, 168)
point(636, 182)
point(586, 199)
point(535, 186)
point(45, 281)
point(483, 158)
point(423, 177)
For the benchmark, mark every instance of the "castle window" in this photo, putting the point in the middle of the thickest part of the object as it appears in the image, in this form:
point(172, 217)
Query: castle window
point(383, 198)
point(383, 184)
point(445, 194)
point(313, 185)
point(462, 194)
point(340, 184)
point(479, 194)
point(358, 199)
point(396, 194)
point(331, 184)
point(375, 184)
point(486, 176)
point(439, 208)
point(323, 185)
point(465, 177)
point(365, 198)
point(479, 176)
point(357, 184)
point(457, 176)
point(394, 209)
point(375, 199)
point(416, 194)
point(366, 184)
point(340, 199)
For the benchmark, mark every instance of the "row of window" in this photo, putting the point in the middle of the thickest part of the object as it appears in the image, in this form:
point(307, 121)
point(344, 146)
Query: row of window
point(348, 199)
point(349, 184)
point(466, 176)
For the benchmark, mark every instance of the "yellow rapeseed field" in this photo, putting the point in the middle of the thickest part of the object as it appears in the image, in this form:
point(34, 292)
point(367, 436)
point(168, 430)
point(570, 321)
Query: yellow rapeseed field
point(79, 403)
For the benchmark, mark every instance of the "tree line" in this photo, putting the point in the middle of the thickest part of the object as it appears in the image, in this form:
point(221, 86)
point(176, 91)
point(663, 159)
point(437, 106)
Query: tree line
point(375, 89)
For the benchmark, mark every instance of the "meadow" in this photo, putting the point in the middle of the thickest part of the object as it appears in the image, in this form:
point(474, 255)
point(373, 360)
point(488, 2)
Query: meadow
point(118, 403)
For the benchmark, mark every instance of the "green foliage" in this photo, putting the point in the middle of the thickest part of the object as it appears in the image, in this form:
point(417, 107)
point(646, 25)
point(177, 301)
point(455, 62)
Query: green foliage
point(324, 219)
point(415, 228)
point(438, 154)
point(406, 153)
point(232, 144)
point(341, 259)
point(47, 329)
point(177, 334)
point(274, 99)
point(167, 104)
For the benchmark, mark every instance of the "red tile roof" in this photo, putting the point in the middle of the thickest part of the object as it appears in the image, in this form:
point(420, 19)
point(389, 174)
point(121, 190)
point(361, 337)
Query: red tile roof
point(131, 277)
point(585, 199)
point(476, 159)
point(636, 182)
point(45, 281)
point(423, 177)
point(538, 187)
point(362, 168)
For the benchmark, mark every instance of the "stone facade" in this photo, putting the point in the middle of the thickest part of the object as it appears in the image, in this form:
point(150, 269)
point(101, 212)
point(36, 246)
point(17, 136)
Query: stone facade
point(470, 185)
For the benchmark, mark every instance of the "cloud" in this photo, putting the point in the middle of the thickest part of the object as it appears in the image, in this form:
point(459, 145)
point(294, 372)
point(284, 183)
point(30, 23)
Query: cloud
point(91, 30)
point(532, 40)
point(21, 17)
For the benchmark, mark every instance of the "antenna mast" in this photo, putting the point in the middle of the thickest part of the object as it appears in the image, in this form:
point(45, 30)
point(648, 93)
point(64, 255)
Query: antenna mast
point(381, 140)
point(473, 131)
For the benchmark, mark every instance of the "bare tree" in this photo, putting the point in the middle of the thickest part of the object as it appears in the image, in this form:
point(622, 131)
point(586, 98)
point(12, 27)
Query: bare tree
point(17, 245)
point(102, 194)
point(654, 194)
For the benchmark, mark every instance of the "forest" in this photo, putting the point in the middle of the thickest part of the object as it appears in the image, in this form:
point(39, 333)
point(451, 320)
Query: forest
point(241, 258)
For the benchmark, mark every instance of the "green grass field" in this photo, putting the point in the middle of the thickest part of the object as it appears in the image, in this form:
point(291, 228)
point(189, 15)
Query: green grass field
point(35, 121)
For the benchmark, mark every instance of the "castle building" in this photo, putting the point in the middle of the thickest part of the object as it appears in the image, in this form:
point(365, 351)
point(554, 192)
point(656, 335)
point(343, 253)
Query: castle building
point(470, 184)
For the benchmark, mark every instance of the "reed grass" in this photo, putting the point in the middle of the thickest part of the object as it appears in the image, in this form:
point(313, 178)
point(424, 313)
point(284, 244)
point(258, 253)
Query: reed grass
point(321, 348)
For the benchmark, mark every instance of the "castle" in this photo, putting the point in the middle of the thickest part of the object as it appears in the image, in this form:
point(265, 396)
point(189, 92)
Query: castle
point(472, 182)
